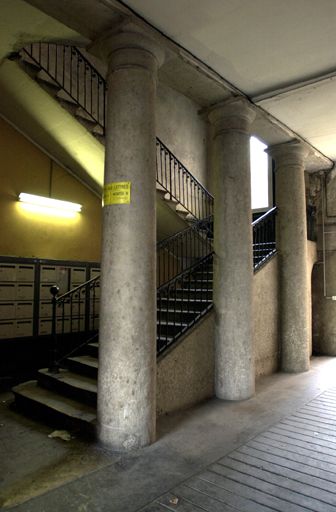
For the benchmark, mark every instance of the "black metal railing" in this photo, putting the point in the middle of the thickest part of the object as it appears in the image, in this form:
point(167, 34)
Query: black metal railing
point(78, 309)
point(264, 241)
point(183, 301)
point(184, 260)
point(75, 311)
point(184, 294)
point(68, 67)
point(181, 185)
point(75, 75)
point(182, 250)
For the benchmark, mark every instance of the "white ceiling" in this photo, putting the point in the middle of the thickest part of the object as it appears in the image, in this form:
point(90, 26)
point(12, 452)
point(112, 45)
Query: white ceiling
point(261, 46)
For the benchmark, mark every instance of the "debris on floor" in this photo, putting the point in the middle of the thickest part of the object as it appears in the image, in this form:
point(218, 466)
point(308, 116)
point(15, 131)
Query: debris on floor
point(61, 434)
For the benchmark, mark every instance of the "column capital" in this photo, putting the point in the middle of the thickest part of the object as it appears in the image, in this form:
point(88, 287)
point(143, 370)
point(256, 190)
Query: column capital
point(128, 46)
point(288, 153)
point(234, 114)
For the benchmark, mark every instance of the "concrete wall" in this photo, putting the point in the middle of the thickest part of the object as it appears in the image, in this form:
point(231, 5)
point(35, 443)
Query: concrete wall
point(185, 375)
point(266, 318)
point(24, 168)
point(182, 130)
point(312, 258)
point(324, 309)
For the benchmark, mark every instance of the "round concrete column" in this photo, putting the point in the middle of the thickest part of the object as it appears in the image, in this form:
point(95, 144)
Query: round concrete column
point(291, 239)
point(127, 338)
point(233, 268)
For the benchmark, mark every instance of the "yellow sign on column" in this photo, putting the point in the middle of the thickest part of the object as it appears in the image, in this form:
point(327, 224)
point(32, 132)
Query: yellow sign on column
point(117, 193)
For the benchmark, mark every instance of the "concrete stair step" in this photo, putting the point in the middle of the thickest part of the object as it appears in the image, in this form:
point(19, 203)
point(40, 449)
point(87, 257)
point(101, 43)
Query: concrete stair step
point(99, 137)
point(43, 76)
point(92, 349)
point(49, 87)
point(163, 341)
point(29, 66)
point(57, 409)
point(73, 385)
point(63, 96)
point(172, 314)
point(84, 365)
point(169, 328)
point(194, 293)
point(90, 125)
point(197, 304)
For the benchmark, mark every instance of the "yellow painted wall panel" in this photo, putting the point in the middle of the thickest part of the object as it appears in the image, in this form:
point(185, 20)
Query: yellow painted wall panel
point(24, 168)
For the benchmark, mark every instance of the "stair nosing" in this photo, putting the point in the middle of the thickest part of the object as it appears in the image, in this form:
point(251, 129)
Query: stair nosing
point(32, 391)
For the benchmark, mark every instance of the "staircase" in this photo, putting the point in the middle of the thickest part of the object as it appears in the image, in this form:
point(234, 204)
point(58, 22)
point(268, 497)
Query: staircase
point(67, 391)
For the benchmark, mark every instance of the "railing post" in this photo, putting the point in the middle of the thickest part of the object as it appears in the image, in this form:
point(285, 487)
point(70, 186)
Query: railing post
point(53, 368)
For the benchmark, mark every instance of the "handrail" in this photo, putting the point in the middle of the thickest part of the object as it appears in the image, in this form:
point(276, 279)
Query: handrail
point(77, 288)
point(180, 251)
point(180, 184)
point(191, 277)
point(74, 74)
point(183, 301)
point(180, 163)
point(185, 254)
point(185, 272)
point(200, 224)
point(264, 216)
point(264, 239)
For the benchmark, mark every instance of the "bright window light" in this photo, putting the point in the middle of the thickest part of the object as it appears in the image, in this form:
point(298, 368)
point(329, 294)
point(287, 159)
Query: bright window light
point(48, 206)
point(259, 174)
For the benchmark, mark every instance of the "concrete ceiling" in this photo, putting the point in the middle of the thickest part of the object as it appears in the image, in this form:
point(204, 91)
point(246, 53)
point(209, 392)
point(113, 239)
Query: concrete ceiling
point(280, 54)
point(21, 23)
point(262, 47)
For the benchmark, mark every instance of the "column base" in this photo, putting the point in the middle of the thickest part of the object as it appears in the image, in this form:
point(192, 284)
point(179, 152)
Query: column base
point(295, 368)
point(116, 440)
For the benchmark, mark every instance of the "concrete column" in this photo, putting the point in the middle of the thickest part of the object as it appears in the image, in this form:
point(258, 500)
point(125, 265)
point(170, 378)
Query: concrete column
point(292, 248)
point(127, 339)
point(233, 267)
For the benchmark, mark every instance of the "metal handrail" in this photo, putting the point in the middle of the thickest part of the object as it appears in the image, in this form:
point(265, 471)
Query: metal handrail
point(74, 73)
point(264, 238)
point(183, 301)
point(264, 216)
point(181, 185)
point(191, 250)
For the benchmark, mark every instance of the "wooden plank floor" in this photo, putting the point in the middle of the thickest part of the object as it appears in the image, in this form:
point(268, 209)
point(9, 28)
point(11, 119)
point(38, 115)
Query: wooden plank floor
point(289, 468)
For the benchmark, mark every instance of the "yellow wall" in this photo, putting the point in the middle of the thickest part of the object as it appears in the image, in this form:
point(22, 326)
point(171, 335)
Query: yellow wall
point(24, 168)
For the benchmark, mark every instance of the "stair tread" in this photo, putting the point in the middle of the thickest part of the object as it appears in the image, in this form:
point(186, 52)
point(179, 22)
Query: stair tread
point(194, 289)
point(181, 311)
point(170, 323)
point(50, 84)
point(183, 300)
point(52, 400)
point(93, 344)
point(73, 379)
point(87, 360)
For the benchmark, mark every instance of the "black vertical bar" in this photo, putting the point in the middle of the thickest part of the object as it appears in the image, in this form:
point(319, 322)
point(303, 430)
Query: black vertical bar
point(77, 58)
point(70, 85)
point(53, 368)
point(170, 177)
point(63, 68)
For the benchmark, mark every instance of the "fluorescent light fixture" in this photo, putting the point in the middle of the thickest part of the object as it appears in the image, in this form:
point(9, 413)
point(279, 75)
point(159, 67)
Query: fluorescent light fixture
point(48, 205)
